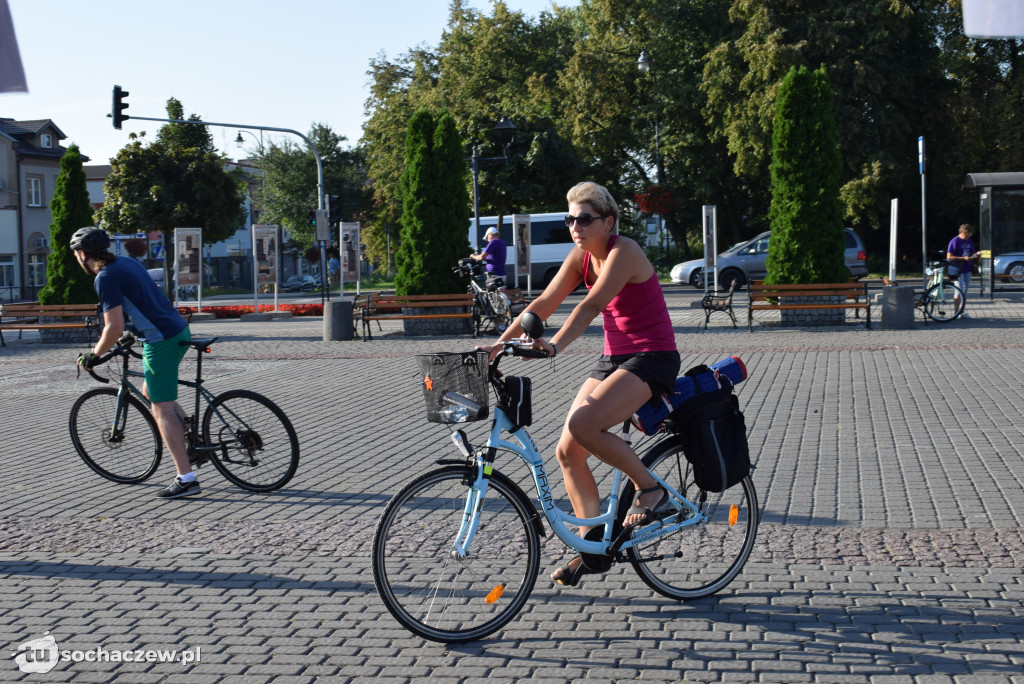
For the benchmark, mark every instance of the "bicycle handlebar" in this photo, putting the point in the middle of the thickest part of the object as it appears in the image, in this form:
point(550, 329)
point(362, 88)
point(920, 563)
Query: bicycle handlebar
point(122, 348)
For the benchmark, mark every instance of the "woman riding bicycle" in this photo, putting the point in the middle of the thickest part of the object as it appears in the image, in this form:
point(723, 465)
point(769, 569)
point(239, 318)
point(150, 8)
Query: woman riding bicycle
point(639, 364)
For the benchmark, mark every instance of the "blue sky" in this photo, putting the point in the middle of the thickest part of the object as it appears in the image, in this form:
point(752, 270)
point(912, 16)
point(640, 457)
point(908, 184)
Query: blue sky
point(257, 62)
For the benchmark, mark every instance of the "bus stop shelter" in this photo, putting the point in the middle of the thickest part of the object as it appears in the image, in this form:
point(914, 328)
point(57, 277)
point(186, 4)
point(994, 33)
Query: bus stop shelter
point(1000, 228)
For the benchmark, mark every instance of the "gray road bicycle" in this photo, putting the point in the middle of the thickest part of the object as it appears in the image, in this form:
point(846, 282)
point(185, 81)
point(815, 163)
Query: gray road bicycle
point(246, 436)
point(456, 552)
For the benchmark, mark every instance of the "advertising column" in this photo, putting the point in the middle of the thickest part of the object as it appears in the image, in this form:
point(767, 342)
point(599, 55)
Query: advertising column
point(521, 244)
point(350, 255)
point(188, 263)
point(264, 261)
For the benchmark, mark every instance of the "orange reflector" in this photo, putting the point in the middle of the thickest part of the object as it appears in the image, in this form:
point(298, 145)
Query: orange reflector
point(734, 514)
point(495, 594)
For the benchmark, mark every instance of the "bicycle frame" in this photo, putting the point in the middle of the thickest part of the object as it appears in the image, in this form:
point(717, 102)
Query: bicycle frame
point(525, 448)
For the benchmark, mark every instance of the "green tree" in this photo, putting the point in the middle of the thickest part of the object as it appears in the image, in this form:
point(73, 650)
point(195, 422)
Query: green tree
point(289, 191)
point(66, 282)
point(806, 217)
point(434, 201)
point(163, 185)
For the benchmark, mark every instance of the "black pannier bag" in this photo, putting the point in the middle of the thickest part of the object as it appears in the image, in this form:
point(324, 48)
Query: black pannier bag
point(519, 390)
point(714, 437)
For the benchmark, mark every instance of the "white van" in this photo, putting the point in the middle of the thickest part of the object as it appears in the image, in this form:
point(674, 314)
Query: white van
point(550, 243)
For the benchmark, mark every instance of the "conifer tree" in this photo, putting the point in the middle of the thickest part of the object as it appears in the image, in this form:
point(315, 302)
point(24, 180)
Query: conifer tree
point(435, 206)
point(66, 282)
point(807, 243)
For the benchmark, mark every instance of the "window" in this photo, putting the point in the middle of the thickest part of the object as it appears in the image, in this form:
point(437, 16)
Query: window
point(6, 270)
point(46, 140)
point(37, 270)
point(35, 191)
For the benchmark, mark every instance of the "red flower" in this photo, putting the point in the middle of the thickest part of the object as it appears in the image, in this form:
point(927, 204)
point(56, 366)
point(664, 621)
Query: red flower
point(656, 199)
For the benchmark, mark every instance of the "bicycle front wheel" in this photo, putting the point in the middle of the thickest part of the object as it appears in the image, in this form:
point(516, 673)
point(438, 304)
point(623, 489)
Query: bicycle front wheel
point(501, 311)
point(701, 559)
point(123, 448)
point(431, 588)
point(943, 302)
point(257, 446)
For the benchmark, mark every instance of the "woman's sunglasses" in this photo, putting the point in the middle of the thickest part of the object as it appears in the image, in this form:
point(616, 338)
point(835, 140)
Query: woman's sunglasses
point(581, 220)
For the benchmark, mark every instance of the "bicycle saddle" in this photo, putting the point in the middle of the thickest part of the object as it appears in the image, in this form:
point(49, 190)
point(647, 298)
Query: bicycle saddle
point(199, 342)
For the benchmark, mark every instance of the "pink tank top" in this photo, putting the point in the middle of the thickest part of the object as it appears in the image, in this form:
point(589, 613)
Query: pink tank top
point(636, 319)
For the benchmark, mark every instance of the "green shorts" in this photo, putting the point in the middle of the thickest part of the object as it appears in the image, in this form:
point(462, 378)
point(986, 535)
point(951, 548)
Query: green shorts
point(160, 361)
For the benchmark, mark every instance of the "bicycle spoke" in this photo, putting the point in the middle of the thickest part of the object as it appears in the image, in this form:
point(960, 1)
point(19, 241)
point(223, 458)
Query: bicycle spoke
point(257, 448)
point(123, 448)
point(703, 558)
point(427, 585)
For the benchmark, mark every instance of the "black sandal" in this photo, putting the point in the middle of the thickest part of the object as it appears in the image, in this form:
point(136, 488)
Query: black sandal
point(660, 510)
point(570, 577)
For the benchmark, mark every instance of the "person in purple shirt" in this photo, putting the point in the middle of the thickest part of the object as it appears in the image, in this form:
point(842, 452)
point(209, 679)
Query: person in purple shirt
point(961, 253)
point(493, 255)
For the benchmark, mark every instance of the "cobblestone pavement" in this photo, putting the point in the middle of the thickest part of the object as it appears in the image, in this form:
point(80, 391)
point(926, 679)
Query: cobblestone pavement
point(887, 464)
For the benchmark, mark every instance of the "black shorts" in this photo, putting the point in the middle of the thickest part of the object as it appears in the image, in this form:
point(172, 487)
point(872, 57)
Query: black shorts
point(658, 369)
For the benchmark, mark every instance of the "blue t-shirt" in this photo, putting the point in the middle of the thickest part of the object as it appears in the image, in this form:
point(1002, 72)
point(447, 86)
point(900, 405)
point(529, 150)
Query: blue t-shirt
point(962, 248)
point(124, 282)
point(494, 257)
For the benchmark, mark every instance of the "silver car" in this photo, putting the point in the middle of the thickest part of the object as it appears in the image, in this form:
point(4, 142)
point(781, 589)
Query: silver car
point(746, 261)
point(1009, 264)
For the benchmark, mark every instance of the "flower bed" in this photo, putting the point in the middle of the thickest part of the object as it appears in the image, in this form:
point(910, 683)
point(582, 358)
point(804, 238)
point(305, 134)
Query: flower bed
point(237, 310)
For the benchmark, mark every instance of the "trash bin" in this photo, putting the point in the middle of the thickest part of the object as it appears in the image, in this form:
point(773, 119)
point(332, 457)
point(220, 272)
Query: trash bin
point(338, 321)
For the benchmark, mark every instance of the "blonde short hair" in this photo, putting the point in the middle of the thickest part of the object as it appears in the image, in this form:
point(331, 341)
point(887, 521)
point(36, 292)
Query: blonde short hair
point(596, 196)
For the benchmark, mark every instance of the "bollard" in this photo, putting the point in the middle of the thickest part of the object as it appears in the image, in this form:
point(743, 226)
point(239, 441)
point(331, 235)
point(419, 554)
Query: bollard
point(897, 308)
point(338, 321)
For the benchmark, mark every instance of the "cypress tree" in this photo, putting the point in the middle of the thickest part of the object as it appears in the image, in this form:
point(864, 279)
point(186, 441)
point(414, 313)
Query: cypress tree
point(807, 243)
point(66, 282)
point(435, 207)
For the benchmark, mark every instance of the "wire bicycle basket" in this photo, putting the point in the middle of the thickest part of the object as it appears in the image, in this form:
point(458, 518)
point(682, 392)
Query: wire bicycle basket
point(455, 386)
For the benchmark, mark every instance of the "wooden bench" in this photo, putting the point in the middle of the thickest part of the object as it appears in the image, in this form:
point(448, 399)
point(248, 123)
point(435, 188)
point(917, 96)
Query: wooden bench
point(517, 300)
point(381, 307)
point(849, 295)
point(718, 301)
point(29, 316)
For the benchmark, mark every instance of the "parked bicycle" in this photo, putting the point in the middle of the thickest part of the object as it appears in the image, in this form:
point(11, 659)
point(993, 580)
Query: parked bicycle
point(456, 552)
point(245, 435)
point(490, 301)
point(942, 299)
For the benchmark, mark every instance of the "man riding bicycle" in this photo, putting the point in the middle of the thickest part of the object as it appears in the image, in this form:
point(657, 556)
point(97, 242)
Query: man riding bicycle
point(124, 287)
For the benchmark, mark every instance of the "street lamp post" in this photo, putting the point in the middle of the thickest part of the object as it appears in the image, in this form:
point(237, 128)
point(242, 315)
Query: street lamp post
point(506, 132)
point(645, 65)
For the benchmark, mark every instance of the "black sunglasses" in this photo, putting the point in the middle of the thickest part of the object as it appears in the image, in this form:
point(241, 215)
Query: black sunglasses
point(583, 220)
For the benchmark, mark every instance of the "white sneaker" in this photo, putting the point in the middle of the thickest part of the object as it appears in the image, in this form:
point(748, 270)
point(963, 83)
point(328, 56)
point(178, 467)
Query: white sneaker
point(965, 315)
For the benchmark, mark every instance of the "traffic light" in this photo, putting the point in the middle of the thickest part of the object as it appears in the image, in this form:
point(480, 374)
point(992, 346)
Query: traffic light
point(334, 209)
point(119, 106)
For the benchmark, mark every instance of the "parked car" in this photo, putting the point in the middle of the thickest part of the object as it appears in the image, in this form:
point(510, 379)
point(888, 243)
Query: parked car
point(746, 261)
point(1010, 264)
point(300, 283)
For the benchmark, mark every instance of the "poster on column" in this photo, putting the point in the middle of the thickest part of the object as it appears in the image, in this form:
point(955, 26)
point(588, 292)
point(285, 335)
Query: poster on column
point(265, 253)
point(350, 251)
point(521, 243)
point(188, 253)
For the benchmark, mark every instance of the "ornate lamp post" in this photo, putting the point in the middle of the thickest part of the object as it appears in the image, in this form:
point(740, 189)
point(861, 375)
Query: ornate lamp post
point(505, 131)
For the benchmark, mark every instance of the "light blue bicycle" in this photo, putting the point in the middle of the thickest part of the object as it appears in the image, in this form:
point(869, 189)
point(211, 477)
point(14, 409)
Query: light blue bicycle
point(456, 552)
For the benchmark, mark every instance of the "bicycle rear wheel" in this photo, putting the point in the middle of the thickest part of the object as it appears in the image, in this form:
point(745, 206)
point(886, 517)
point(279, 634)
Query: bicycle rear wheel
point(432, 590)
point(702, 559)
point(501, 311)
point(125, 450)
point(257, 446)
point(943, 302)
